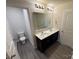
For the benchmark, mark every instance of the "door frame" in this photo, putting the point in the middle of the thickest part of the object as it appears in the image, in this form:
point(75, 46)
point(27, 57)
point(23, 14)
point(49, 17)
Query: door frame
point(30, 20)
point(62, 23)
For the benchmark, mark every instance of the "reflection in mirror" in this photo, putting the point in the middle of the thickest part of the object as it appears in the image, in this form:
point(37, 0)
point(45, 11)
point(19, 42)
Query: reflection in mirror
point(41, 20)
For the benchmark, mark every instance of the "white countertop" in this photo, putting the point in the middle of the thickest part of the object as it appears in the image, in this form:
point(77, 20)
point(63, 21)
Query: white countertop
point(43, 34)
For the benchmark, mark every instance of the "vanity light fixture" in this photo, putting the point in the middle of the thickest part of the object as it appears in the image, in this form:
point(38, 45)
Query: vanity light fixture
point(49, 9)
point(39, 6)
point(36, 5)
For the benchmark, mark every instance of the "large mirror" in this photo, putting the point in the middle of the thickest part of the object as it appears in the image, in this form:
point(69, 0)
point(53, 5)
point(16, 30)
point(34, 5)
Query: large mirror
point(42, 20)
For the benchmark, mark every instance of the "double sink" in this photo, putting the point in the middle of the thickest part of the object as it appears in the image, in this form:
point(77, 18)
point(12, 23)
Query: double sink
point(43, 34)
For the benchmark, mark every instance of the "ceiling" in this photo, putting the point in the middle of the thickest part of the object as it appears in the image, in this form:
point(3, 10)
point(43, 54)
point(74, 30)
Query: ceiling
point(53, 1)
point(58, 1)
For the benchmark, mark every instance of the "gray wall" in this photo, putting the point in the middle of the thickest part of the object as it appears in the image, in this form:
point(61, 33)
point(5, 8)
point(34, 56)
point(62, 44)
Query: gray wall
point(18, 20)
point(59, 18)
point(28, 26)
point(11, 49)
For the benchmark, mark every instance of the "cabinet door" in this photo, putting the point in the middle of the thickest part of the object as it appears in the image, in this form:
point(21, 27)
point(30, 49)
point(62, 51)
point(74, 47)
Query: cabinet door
point(47, 42)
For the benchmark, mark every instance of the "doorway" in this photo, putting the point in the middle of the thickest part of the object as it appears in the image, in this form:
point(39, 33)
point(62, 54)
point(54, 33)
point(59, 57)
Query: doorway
point(67, 28)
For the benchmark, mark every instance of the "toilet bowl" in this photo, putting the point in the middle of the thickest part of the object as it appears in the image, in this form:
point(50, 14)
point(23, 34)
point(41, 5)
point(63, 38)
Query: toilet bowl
point(22, 37)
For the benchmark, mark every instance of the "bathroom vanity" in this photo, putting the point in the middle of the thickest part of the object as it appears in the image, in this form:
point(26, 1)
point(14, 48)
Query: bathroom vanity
point(46, 38)
point(44, 30)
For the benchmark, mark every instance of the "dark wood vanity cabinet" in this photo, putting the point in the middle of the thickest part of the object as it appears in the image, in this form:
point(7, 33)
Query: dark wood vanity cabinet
point(42, 45)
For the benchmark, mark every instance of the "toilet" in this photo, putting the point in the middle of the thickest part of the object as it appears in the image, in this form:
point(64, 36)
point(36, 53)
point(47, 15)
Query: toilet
point(22, 37)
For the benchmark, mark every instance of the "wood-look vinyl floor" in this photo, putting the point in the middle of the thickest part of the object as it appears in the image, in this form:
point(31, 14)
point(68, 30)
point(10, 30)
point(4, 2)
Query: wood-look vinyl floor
point(56, 51)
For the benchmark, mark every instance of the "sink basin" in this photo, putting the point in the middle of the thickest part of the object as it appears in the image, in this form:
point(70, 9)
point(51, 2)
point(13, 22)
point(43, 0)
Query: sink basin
point(46, 33)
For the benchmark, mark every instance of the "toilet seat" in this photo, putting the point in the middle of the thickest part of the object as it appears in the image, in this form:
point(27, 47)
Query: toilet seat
point(22, 38)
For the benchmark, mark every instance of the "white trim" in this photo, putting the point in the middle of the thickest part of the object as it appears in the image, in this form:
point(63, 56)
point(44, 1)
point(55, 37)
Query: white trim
point(63, 21)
